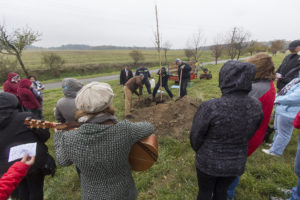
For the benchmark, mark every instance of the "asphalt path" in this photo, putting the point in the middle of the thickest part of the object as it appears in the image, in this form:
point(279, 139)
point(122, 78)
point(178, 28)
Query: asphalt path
point(113, 77)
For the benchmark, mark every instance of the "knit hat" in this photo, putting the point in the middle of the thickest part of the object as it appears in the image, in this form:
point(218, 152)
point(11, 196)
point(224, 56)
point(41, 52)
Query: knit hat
point(177, 60)
point(94, 97)
point(294, 44)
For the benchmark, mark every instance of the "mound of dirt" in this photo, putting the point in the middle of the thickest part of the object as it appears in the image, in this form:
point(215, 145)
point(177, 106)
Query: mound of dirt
point(169, 118)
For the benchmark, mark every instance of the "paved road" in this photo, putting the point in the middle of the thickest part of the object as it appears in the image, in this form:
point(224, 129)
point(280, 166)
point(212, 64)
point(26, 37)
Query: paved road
point(112, 77)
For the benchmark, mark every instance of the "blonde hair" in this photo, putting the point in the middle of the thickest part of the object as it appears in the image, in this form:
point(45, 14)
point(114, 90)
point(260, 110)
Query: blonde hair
point(264, 65)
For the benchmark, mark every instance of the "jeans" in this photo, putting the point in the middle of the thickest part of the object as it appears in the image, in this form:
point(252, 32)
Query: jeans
point(166, 88)
point(211, 187)
point(148, 86)
point(183, 86)
point(296, 190)
point(231, 188)
point(283, 133)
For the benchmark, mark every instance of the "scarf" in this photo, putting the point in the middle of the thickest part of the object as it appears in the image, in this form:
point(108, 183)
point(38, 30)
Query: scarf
point(286, 88)
point(97, 119)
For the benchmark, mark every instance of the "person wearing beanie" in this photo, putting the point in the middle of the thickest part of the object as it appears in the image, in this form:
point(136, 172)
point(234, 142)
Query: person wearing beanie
point(263, 89)
point(100, 146)
point(290, 66)
point(222, 128)
point(11, 84)
point(65, 109)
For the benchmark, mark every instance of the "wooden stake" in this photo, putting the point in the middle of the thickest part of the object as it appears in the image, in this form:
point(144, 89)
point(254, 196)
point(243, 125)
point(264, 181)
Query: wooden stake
point(158, 49)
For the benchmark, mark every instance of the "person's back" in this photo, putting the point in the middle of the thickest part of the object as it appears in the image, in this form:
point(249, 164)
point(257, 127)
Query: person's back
point(222, 127)
point(101, 153)
point(134, 83)
point(100, 146)
point(65, 107)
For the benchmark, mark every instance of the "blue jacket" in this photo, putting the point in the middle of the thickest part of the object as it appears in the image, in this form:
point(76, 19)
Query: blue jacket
point(288, 105)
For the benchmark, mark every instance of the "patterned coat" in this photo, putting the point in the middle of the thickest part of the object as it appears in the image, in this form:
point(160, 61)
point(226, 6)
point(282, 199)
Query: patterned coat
point(101, 153)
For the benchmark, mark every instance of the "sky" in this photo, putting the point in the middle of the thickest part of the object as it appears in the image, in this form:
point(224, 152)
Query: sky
point(132, 22)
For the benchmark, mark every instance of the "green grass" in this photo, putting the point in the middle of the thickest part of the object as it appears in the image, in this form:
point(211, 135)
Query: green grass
point(174, 175)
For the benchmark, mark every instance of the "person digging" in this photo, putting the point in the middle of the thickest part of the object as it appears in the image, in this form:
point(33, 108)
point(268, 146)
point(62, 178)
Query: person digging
point(164, 77)
point(184, 76)
point(131, 87)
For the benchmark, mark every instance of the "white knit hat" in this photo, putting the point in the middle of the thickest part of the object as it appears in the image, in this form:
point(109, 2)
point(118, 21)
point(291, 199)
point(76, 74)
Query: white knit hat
point(94, 97)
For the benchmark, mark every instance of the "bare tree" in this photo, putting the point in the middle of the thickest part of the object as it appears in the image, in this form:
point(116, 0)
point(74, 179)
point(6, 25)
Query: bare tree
point(14, 43)
point(137, 56)
point(277, 45)
point(195, 43)
point(166, 47)
point(53, 62)
point(188, 53)
point(218, 48)
point(237, 42)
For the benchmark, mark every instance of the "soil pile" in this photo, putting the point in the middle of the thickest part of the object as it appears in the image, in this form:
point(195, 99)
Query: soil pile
point(169, 118)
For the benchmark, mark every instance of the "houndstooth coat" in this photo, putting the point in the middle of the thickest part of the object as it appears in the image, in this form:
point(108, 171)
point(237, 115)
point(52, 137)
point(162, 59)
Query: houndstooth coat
point(101, 153)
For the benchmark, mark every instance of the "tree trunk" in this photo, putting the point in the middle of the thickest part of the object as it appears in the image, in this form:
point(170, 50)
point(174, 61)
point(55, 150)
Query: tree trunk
point(166, 58)
point(22, 64)
point(216, 60)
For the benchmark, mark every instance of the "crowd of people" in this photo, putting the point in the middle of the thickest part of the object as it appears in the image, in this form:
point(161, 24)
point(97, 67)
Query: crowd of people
point(225, 130)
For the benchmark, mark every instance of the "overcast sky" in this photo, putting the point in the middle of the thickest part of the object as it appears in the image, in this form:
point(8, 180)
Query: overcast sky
point(132, 22)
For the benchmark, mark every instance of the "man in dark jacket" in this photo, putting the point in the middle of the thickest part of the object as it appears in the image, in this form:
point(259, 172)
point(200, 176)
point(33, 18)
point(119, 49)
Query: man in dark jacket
point(13, 132)
point(144, 70)
point(289, 69)
point(183, 69)
point(125, 75)
point(165, 78)
point(222, 128)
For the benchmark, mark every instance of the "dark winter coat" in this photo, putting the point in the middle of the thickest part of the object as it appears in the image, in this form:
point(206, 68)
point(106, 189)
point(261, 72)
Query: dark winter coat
point(65, 109)
point(185, 71)
point(26, 96)
point(13, 132)
point(143, 70)
point(289, 69)
point(124, 78)
point(164, 76)
point(222, 127)
point(9, 86)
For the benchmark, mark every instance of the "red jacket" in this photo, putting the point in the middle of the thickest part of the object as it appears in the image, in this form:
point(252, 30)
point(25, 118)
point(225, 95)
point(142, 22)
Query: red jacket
point(10, 180)
point(267, 101)
point(9, 86)
point(26, 96)
point(296, 122)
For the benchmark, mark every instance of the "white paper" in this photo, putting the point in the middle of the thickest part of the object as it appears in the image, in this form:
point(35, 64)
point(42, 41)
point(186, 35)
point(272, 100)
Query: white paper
point(19, 151)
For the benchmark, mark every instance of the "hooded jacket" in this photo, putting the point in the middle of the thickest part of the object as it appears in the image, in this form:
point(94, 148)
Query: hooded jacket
point(222, 127)
point(26, 96)
point(9, 86)
point(13, 132)
point(65, 108)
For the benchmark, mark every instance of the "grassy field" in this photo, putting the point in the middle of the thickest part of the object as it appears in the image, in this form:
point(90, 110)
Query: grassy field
point(32, 59)
point(174, 175)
